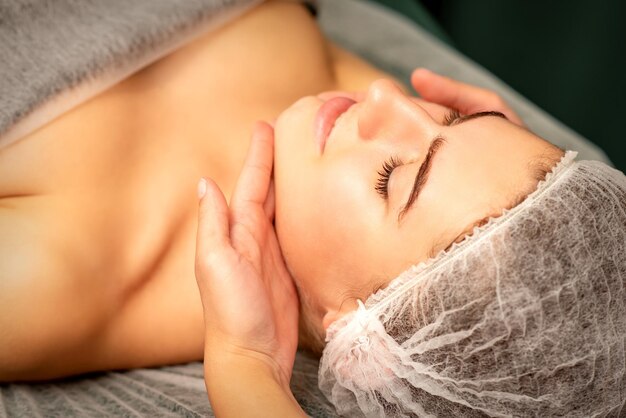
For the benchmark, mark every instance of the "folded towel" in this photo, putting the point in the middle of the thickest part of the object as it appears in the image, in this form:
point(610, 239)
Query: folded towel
point(56, 54)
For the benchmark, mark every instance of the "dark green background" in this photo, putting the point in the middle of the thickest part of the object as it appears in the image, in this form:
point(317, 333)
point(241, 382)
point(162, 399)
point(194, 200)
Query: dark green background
point(567, 56)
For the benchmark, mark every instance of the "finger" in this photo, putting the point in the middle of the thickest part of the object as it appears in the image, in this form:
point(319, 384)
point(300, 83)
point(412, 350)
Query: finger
point(451, 93)
point(254, 181)
point(269, 207)
point(465, 98)
point(213, 227)
point(448, 92)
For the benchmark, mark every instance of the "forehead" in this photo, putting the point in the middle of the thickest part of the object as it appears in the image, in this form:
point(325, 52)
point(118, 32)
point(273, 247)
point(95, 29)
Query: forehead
point(484, 168)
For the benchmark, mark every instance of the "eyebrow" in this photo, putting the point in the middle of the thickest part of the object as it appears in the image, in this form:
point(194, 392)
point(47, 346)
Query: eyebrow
point(422, 175)
point(471, 116)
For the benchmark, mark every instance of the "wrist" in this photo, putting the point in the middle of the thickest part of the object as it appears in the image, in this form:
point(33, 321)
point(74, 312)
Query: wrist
point(230, 363)
point(246, 385)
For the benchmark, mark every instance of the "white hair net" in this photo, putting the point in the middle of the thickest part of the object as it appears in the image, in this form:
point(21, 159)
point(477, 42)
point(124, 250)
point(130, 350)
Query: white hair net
point(525, 317)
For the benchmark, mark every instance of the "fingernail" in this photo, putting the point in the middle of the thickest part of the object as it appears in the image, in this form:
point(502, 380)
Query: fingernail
point(201, 188)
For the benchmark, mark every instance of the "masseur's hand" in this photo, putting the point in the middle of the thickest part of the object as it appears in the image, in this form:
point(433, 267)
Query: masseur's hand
point(249, 299)
point(463, 97)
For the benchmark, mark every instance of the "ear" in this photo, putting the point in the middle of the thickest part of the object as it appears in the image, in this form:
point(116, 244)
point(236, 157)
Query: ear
point(331, 316)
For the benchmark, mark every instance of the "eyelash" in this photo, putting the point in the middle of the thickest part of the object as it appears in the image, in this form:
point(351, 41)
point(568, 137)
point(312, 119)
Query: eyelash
point(384, 173)
point(382, 184)
point(451, 116)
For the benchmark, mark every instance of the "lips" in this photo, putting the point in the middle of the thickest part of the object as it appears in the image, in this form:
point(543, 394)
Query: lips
point(326, 117)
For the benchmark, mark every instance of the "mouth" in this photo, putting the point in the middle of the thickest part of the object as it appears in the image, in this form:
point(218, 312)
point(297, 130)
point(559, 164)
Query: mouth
point(327, 116)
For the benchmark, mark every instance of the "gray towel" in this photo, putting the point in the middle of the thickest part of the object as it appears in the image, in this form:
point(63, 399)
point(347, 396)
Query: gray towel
point(163, 392)
point(48, 48)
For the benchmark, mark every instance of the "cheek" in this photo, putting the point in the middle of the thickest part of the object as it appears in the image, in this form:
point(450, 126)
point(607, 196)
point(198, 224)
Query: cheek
point(347, 205)
point(321, 210)
point(325, 224)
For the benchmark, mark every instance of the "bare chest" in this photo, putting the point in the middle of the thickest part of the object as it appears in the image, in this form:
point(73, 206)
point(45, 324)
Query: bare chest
point(113, 181)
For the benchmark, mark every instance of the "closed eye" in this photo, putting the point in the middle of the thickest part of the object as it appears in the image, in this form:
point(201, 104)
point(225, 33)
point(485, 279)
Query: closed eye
point(382, 184)
point(451, 116)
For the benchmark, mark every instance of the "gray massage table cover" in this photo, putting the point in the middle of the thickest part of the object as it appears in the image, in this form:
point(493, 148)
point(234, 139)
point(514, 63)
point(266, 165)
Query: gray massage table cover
point(54, 54)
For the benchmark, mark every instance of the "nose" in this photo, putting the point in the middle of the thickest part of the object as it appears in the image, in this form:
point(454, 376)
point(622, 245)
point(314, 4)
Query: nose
point(388, 113)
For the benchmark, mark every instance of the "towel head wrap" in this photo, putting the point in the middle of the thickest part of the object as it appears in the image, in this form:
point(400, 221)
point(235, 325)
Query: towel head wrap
point(527, 316)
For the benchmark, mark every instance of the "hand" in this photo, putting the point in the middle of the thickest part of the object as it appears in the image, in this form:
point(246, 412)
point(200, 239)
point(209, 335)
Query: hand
point(249, 299)
point(463, 97)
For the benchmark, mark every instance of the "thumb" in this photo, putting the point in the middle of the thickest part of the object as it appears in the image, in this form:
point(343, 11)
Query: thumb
point(213, 226)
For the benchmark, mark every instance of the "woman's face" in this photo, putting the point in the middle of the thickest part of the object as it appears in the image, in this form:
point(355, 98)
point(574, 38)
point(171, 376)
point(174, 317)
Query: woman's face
point(345, 230)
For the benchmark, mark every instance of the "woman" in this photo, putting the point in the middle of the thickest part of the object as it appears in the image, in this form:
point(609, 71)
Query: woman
point(145, 241)
point(521, 311)
point(102, 197)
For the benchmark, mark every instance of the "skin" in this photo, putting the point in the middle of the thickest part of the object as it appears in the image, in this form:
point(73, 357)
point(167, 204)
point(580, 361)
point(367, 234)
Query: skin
point(98, 211)
point(91, 285)
point(97, 208)
point(341, 239)
point(238, 258)
point(248, 297)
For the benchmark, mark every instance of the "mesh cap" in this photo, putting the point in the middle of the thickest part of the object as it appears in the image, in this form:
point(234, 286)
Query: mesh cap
point(527, 316)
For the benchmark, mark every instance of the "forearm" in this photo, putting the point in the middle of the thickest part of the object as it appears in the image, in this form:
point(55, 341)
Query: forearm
point(248, 388)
